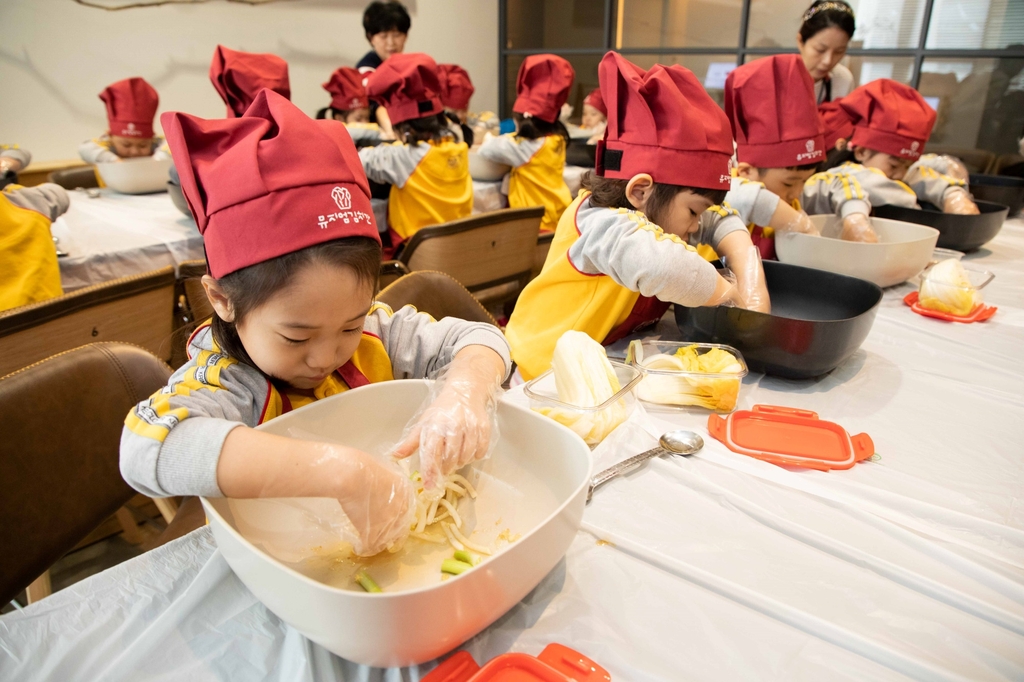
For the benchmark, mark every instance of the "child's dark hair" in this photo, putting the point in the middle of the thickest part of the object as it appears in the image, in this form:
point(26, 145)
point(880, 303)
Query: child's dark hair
point(428, 129)
point(329, 112)
point(251, 287)
point(533, 128)
point(837, 157)
point(385, 16)
point(826, 14)
point(609, 193)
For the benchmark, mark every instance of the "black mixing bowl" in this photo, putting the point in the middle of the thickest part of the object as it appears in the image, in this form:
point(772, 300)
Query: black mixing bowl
point(960, 232)
point(999, 189)
point(818, 320)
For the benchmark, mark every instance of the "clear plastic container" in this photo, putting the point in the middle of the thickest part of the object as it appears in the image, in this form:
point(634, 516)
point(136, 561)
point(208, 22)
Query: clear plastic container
point(679, 389)
point(939, 295)
point(945, 254)
point(594, 423)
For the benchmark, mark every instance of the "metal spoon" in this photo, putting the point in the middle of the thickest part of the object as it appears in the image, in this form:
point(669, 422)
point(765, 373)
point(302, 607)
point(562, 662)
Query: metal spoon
point(672, 443)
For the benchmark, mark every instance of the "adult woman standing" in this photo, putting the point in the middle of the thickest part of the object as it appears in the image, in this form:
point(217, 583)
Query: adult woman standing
point(823, 38)
point(387, 26)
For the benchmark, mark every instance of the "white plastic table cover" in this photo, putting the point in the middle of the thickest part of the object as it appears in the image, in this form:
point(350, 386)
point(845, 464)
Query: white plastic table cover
point(712, 567)
point(116, 235)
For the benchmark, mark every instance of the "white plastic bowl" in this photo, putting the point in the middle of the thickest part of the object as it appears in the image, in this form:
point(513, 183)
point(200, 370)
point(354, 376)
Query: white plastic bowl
point(143, 175)
point(902, 251)
point(485, 170)
point(545, 464)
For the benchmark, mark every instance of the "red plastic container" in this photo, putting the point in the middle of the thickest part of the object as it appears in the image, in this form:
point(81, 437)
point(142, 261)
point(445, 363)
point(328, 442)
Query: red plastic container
point(556, 663)
point(790, 437)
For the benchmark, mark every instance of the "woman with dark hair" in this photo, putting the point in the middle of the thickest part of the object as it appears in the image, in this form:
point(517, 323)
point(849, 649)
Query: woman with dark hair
point(823, 38)
point(387, 26)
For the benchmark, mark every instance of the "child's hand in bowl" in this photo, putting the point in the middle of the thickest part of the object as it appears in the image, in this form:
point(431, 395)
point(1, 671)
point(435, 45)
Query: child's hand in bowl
point(857, 228)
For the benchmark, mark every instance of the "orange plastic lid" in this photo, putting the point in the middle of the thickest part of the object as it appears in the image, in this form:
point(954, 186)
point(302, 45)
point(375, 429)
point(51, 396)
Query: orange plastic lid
point(980, 313)
point(556, 663)
point(790, 437)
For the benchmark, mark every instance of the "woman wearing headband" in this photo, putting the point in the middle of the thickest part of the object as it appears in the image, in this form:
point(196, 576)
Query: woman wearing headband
point(824, 35)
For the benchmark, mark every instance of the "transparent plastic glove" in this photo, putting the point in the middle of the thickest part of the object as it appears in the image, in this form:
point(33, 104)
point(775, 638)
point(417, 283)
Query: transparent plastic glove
point(958, 201)
point(457, 425)
point(955, 168)
point(751, 290)
point(376, 495)
point(788, 219)
point(857, 228)
point(565, 113)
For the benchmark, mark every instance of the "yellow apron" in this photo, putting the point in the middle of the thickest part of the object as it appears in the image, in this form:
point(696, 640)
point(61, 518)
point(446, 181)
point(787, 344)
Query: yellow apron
point(438, 191)
point(563, 298)
point(539, 182)
point(28, 260)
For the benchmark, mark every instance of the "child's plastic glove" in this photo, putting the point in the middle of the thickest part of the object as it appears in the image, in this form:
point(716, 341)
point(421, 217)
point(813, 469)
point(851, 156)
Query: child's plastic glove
point(751, 291)
point(457, 425)
point(958, 201)
point(565, 113)
point(955, 168)
point(857, 228)
point(376, 495)
point(788, 219)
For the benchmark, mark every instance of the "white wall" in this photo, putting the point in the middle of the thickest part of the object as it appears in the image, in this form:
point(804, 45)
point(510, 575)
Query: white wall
point(57, 55)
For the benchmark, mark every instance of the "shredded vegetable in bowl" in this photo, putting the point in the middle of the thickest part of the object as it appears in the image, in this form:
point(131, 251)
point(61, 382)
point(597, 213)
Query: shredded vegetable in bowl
point(442, 513)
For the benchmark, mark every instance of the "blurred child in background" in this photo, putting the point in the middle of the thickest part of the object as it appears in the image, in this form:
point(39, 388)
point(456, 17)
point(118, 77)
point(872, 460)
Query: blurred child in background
point(456, 91)
point(28, 258)
point(536, 151)
point(239, 76)
point(350, 104)
point(427, 167)
point(131, 106)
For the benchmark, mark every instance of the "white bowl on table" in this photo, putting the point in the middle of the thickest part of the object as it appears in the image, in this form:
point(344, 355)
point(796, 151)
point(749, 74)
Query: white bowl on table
point(902, 251)
point(142, 175)
point(486, 170)
point(541, 470)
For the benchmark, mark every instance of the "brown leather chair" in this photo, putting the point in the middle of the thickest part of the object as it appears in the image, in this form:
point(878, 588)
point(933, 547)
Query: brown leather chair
point(390, 270)
point(61, 422)
point(1005, 161)
point(74, 178)
point(544, 240)
point(137, 309)
point(491, 254)
point(436, 294)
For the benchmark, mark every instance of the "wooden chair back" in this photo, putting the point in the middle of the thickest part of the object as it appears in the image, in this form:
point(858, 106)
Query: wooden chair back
point(540, 255)
point(436, 294)
point(491, 254)
point(74, 178)
point(137, 309)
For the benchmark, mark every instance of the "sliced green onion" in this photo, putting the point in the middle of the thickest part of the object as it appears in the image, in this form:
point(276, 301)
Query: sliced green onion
point(366, 582)
point(465, 557)
point(454, 566)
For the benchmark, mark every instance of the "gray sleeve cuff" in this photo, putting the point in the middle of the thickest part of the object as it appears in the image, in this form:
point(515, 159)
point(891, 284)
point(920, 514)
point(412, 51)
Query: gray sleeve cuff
point(19, 155)
point(187, 464)
point(724, 228)
point(764, 208)
point(854, 206)
point(491, 337)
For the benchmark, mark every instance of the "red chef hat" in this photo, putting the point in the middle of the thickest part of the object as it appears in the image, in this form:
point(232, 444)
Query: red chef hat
point(269, 183)
point(770, 103)
point(239, 76)
point(595, 100)
point(543, 86)
point(889, 117)
point(347, 91)
point(662, 122)
point(407, 85)
point(131, 106)
point(836, 123)
point(456, 88)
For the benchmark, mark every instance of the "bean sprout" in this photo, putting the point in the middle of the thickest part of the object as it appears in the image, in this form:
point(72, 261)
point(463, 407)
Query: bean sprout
point(443, 512)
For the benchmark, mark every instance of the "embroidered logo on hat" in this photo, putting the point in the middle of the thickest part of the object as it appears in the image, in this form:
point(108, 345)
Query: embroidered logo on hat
point(811, 152)
point(810, 145)
point(342, 197)
point(914, 146)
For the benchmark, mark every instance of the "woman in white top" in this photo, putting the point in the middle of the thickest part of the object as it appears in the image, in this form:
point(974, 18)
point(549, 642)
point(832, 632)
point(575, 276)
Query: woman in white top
point(824, 35)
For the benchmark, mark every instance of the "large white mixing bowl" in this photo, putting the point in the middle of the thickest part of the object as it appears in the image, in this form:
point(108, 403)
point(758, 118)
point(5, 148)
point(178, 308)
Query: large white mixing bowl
point(543, 461)
point(902, 251)
point(143, 175)
point(485, 170)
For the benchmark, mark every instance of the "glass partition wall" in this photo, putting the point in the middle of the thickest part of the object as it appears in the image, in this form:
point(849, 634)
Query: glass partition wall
point(965, 56)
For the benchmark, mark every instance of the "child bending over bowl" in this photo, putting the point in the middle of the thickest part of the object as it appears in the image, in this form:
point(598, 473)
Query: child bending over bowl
point(293, 255)
point(882, 159)
point(624, 249)
point(131, 106)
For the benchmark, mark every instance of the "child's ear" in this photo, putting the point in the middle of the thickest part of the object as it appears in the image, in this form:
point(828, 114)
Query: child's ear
point(748, 172)
point(218, 299)
point(861, 154)
point(639, 189)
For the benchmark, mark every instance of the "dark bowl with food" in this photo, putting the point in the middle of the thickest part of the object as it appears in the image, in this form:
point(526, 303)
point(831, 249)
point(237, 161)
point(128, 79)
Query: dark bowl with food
point(999, 189)
point(958, 232)
point(579, 153)
point(818, 320)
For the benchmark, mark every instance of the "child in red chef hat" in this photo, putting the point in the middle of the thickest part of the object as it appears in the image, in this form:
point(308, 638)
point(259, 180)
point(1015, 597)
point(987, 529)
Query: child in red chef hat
point(456, 91)
point(239, 76)
point(623, 250)
point(890, 125)
point(536, 151)
point(770, 104)
point(350, 104)
point(427, 167)
point(293, 256)
point(131, 106)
